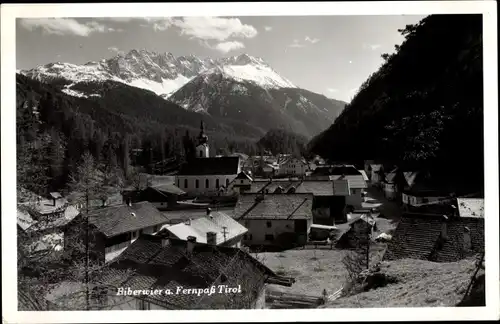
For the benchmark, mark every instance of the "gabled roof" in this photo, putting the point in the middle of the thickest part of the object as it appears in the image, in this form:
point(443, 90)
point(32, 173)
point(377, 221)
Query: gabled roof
point(28, 224)
point(55, 195)
point(363, 217)
point(243, 176)
point(315, 187)
point(121, 219)
point(219, 223)
point(158, 266)
point(470, 207)
point(365, 176)
point(227, 165)
point(168, 188)
point(417, 236)
point(355, 181)
point(274, 206)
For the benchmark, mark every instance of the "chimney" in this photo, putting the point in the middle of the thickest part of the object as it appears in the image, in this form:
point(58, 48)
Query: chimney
point(165, 241)
point(211, 238)
point(467, 243)
point(191, 241)
point(444, 228)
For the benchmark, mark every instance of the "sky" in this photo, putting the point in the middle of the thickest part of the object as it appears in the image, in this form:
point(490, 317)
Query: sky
point(331, 55)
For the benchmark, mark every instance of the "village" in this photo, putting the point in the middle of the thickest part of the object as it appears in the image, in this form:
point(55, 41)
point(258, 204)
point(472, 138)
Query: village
point(279, 227)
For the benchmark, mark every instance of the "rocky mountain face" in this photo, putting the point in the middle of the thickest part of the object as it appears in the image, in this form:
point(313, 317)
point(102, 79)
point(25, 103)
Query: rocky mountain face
point(242, 89)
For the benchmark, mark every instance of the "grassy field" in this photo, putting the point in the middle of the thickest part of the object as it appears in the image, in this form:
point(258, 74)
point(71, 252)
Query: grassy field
point(313, 270)
point(420, 284)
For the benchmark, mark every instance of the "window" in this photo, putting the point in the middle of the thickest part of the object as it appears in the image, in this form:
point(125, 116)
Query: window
point(269, 237)
point(141, 231)
point(156, 228)
point(178, 183)
point(134, 235)
point(185, 183)
point(217, 183)
point(207, 183)
point(201, 153)
point(269, 224)
point(227, 183)
point(197, 183)
point(241, 181)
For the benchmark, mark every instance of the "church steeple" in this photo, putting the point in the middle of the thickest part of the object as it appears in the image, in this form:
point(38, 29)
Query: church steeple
point(202, 150)
point(202, 137)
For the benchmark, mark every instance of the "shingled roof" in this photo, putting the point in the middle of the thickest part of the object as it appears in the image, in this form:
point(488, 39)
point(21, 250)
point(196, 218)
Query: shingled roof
point(418, 236)
point(156, 265)
point(120, 219)
point(274, 206)
point(355, 181)
point(315, 187)
point(216, 222)
point(226, 165)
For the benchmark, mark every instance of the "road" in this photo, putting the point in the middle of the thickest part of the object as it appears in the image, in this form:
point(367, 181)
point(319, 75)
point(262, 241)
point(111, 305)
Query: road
point(390, 212)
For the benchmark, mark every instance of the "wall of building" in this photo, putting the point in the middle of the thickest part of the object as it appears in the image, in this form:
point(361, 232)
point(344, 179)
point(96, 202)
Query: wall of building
point(258, 229)
point(390, 190)
point(260, 303)
point(415, 200)
point(202, 189)
point(111, 252)
point(293, 167)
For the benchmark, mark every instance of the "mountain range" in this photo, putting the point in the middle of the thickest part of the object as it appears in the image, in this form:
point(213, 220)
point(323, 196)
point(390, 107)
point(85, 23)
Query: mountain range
point(243, 93)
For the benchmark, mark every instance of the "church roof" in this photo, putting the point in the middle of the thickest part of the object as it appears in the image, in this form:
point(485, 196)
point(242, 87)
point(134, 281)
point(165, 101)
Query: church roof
point(227, 165)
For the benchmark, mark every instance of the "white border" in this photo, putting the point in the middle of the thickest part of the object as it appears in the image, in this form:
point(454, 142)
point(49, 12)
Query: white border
point(9, 275)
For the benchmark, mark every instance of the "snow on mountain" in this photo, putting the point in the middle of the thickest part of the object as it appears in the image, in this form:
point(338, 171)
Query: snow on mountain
point(161, 73)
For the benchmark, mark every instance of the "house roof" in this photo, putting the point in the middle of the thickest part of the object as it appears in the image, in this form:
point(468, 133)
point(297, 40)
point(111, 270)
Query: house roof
point(335, 170)
point(24, 219)
point(355, 181)
point(176, 216)
point(470, 207)
point(244, 176)
point(55, 195)
point(227, 165)
point(274, 206)
point(168, 188)
point(365, 176)
point(315, 187)
point(157, 266)
point(375, 167)
point(27, 223)
point(362, 217)
point(220, 223)
point(120, 219)
point(417, 236)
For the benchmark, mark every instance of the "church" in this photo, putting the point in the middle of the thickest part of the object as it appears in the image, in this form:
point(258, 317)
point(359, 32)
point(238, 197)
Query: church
point(205, 175)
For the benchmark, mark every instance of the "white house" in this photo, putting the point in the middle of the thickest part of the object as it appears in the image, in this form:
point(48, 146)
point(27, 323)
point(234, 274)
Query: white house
point(294, 167)
point(206, 175)
point(215, 228)
point(270, 217)
point(350, 186)
point(242, 183)
point(112, 229)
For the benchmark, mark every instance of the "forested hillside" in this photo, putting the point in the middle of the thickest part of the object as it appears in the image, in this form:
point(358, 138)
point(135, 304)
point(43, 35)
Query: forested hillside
point(280, 141)
point(54, 129)
point(423, 109)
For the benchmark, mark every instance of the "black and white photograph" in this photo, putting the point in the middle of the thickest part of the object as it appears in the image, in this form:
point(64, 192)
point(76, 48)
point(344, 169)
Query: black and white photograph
point(208, 157)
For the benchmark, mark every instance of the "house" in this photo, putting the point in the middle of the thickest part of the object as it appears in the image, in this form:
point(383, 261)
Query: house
point(327, 209)
point(274, 219)
point(361, 227)
point(419, 190)
point(112, 229)
point(42, 233)
point(293, 166)
point(435, 237)
point(172, 274)
point(352, 187)
point(470, 207)
point(376, 172)
point(242, 182)
point(215, 228)
point(162, 196)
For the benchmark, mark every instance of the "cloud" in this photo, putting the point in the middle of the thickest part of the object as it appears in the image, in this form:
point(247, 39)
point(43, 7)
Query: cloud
point(64, 26)
point(115, 50)
point(229, 46)
point(311, 40)
point(332, 90)
point(296, 44)
point(214, 28)
point(371, 46)
point(268, 28)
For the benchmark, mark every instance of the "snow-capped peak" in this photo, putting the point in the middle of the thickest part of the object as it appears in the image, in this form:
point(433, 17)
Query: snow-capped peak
point(162, 73)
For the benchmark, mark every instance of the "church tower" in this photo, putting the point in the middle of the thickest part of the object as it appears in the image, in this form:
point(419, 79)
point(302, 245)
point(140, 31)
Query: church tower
point(202, 150)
